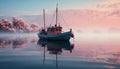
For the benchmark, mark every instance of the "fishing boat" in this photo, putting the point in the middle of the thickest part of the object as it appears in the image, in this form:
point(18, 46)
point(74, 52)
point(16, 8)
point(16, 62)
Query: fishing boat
point(54, 32)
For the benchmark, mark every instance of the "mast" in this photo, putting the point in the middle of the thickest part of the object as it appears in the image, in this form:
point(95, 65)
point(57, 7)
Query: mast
point(44, 17)
point(56, 14)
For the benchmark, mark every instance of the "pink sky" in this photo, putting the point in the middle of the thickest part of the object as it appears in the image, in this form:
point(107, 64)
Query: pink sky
point(81, 15)
point(97, 17)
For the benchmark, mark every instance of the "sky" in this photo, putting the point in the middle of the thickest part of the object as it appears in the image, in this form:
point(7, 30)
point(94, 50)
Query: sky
point(84, 15)
point(22, 7)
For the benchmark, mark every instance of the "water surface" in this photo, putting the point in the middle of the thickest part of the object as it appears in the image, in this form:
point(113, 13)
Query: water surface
point(26, 51)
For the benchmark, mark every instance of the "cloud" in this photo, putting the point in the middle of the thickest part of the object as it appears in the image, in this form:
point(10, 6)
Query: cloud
point(114, 30)
point(89, 20)
point(21, 13)
point(17, 25)
point(35, 27)
point(107, 5)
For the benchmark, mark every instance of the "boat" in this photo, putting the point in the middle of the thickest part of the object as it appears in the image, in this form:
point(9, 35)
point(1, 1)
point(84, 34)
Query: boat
point(54, 32)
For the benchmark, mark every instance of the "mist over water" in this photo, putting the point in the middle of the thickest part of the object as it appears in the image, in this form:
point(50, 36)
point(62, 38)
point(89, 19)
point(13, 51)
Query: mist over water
point(90, 51)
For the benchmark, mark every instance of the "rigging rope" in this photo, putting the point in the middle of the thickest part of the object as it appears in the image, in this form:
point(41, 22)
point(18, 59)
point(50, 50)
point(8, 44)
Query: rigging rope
point(60, 17)
point(52, 20)
point(65, 21)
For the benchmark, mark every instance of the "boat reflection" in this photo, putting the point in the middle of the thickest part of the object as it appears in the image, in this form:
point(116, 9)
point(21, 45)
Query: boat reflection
point(55, 47)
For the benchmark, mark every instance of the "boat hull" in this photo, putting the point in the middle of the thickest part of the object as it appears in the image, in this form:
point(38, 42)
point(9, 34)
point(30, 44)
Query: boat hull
point(61, 36)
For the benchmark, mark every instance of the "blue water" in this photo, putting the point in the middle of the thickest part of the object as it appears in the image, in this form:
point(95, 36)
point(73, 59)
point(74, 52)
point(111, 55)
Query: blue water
point(26, 51)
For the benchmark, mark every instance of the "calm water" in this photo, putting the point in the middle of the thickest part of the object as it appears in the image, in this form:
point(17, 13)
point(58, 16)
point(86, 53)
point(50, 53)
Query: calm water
point(26, 51)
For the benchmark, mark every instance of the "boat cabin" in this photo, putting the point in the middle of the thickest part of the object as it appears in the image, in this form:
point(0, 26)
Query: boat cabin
point(54, 29)
point(43, 31)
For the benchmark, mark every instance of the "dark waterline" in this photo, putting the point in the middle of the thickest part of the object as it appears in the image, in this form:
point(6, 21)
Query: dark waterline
point(26, 51)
